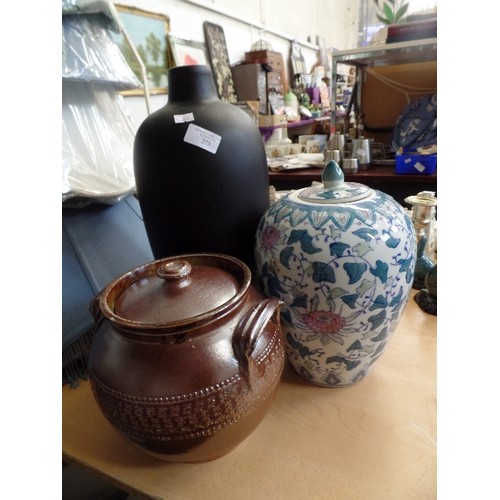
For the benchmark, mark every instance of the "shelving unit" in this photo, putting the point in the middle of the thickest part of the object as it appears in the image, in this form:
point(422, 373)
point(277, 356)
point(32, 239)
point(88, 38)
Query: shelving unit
point(402, 55)
point(341, 85)
point(391, 53)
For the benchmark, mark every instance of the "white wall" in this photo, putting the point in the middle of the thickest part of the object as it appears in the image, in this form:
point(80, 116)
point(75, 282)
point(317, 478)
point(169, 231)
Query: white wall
point(277, 21)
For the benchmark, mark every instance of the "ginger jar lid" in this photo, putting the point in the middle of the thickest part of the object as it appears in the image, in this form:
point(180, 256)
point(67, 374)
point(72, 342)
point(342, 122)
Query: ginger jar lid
point(176, 292)
point(334, 190)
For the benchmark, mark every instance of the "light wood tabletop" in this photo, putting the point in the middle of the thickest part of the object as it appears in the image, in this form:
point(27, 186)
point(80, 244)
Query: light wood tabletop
point(372, 440)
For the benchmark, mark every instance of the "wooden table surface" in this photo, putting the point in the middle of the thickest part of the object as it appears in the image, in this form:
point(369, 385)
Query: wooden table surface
point(379, 173)
point(373, 440)
point(381, 177)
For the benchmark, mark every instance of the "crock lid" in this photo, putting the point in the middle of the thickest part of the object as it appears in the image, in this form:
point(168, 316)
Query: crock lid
point(176, 291)
point(334, 189)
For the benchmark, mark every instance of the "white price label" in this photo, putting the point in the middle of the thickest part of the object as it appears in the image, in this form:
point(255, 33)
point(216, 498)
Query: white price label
point(202, 138)
point(419, 166)
point(187, 117)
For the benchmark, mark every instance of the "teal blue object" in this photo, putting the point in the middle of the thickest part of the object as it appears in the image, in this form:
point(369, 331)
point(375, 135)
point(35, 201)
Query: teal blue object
point(423, 265)
point(333, 176)
point(99, 243)
point(426, 298)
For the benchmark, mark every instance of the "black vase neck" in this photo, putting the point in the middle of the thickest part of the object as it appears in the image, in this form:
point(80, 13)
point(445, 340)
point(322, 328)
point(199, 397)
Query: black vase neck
point(194, 82)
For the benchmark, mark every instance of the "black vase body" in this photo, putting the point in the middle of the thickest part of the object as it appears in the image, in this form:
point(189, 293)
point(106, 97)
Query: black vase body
point(199, 194)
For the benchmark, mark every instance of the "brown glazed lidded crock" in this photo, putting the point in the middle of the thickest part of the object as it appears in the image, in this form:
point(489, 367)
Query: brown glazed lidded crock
point(187, 356)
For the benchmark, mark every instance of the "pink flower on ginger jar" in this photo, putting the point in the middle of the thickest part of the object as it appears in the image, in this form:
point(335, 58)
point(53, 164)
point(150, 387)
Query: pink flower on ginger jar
point(324, 322)
point(271, 236)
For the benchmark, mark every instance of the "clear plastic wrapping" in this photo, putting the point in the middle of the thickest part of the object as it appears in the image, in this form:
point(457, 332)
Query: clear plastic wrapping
point(97, 144)
point(90, 54)
point(97, 133)
point(104, 7)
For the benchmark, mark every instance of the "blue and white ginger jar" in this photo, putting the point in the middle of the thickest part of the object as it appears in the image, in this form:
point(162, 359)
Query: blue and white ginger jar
point(341, 256)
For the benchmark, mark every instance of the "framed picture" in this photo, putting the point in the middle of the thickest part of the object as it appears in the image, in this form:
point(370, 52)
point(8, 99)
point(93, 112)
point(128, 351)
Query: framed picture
point(187, 52)
point(148, 32)
point(323, 55)
point(298, 61)
point(219, 61)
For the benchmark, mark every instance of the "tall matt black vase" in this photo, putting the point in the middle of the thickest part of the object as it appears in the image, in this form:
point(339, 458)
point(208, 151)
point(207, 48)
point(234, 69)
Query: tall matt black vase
point(201, 171)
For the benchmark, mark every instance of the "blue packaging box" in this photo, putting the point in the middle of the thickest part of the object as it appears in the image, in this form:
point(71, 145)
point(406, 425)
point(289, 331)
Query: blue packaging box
point(416, 164)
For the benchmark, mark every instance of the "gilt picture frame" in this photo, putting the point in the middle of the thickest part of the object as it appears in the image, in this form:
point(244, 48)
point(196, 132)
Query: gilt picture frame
point(148, 32)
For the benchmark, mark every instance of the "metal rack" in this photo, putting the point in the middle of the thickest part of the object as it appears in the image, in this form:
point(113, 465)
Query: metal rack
point(392, 53)
point(382, 55)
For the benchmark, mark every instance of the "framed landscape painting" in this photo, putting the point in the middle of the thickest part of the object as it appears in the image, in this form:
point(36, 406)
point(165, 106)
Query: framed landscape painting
point(148, 32)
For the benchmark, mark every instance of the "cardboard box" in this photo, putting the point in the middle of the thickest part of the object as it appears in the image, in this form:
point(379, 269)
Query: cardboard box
point(272, 120)
point(254, 106)
point(246, 82)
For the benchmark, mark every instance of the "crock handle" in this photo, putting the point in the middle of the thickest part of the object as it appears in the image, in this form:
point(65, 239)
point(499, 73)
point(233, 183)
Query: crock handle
point(95, 310)
point(248, 330)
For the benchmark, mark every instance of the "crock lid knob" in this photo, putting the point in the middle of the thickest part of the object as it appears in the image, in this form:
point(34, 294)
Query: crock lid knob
point(174, 270)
